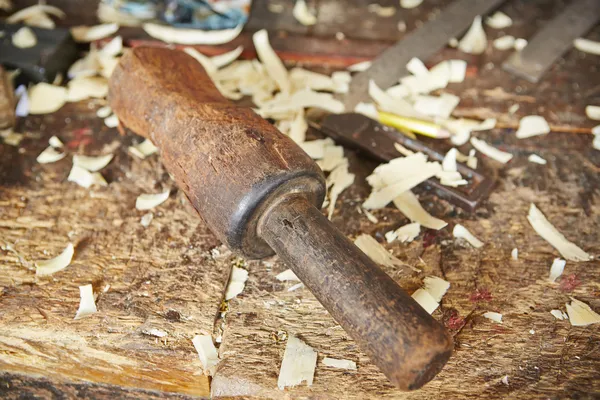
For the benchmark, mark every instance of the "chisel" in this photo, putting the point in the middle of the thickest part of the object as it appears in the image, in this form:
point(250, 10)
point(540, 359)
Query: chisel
point(260, 193)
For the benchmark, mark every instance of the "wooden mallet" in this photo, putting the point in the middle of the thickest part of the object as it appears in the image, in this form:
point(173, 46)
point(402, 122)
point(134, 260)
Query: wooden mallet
point(260, 193)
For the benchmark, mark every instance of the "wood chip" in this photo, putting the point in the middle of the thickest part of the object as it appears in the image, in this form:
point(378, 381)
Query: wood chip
point(170, 34)
point(113, 48)
point(404, 234)
point(86, 88)
point(474, 41)
point(339, 363)
point(146, 219)
point(302, 14)
point(498, 20)
point(86, 34)
point(55, 142)
point(461, 232)
point(287, 275)
point(560, 315)
point(112, 121)
point(505, 42)
point(593, 112)
point(359, 67)
point(490, 151)
point(50, 155)
point(338, 180)
point(24, 38)
point(493, 316)
point(416, 67)
point(587, 46)
point(84, 178)
point(298, 365)
point(45, 98)
point(104, 112)
point(437, 287)
point(580, 314)
point(11, 138)
point(520, 44)
point(381, 11)
point(149, 201)
point(58, 263)
point(425, 300)
point(436, 106)
point(92, 164)
point(33, 11)
point(514, 254)
point(207, 352)
point(557, 268)
point(237, 282)
point(409, 205)
point(87, 303)
point(408, 4)
point(377, 252)
point(546, 230)
point(144, 149)
point(532, 125)
point(391, 104)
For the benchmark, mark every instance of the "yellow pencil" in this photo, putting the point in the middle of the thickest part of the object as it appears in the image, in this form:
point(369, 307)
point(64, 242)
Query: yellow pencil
point(425, 128)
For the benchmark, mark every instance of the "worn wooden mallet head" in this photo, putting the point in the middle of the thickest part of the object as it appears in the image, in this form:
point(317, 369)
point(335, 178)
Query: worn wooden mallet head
point(260, 193)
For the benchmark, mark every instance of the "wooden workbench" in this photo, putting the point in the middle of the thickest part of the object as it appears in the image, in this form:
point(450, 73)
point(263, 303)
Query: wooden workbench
point(172, 274)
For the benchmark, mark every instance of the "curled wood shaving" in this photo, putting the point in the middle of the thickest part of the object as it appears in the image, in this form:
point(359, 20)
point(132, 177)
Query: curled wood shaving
point(170, 34)
point(532, 125)
point(113, 48)
point(546, 230)
point(460, 231)
point(24, 38)
point(474, 41)
point(84, 178)
point(87, 303)
point(339, 363)
point(237, 282)
point(112, 121)
point(82, 88)
point(316, 148)
point(416, 67)
point(520, 44)
point(490, 151)
point(534, 158)
point(560, 315)
point(11, 138)
point(410, 3)
point(55, 142)
point(425, 300)
point(58, 263)
point(587, 46)
point(557, 268)
point(86, 34)
point(302, 79)
point(92, 164)
point(144, 149)
point(404, 234)
point(104, 112)
point(493, 316)
point(367, 109)
point(409, 205)
point(359, 67)
point(149, 201)
point(498, 20)
point(593, 112)
point(224, 59)
point(381, 11)
point(287, 275)
point(271, 62)
point(580, 314)
point(50, 155)
point(339, 180)
point(45, 98)
point(207, 352)
point(304, 98)
point(302, 14)
point(505, 42)
point(298, 364)
point(34, 11)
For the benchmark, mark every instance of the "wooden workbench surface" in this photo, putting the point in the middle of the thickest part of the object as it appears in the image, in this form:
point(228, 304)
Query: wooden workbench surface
point(172, 274)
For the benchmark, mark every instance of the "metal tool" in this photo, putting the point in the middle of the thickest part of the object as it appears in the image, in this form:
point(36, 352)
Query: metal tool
point(260, 193)
point(377, 140)
point(555, 38)
point(422, 43)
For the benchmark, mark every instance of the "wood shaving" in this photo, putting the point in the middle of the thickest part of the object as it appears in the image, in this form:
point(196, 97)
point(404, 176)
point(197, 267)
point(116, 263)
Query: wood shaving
point(410, 3)
point(513, 109)
point(461, 232)
point(205, 61)
point(493, 316)
point(587, 46)
point(425, 300)
point(557, 268)
point(390, 104)
point(339, 363)
point(504, 380)
point(474, 41)
point(287, 275)
point(112, 121)
point(369, 215)
point(146, 219)
point(271, 62)
point(580, 314)
point(498, 20)
point(303, 99)
point(593, 112)
point(24, 38)
point(92, 164)
point(155, 332)
point(367, 109)
point(532, 125)
point(396, 177)
point(224, 59)
point(472, 160)
point(403, 150)
point(514, 254)
point(298, 364)
point(302, 79)
point(207, 352)
point(237, 282)
point(34, 12)
point(546, 230)
point(490, 151)
point(104, 112)
point(520, 44)
point(333, 156)
point(437, 287)
point(377, 252)
point(302, 14)
point(45, 98)
point(409, 205)
point(149, 201)
point(416, 67)
point(144, 149)
point(86, 34)
point(534, 158)
point(50, 155)
point(170, 34)
point(316, 148)
point(295, 287)
point(505, 42)
point(560, 315)
point(113, 48)
point(84, 178)
point(381, 11)
point(55, 142)
point(458, 70)
point(359, 67)
point(338, 180)
point(87, 303)
point(404, 234)
point(86, 66)
point(86, 88)
point(58, 263)
point(11, 138)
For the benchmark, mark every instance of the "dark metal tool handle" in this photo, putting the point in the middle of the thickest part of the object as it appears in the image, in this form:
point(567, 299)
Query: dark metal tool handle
point(399, 336)
point(257, 191)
